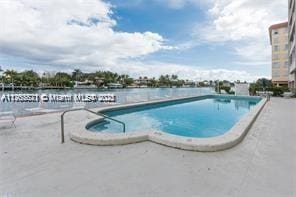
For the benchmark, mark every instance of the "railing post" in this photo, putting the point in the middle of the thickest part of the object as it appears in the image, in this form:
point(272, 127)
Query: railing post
point(268, 97)
point(62, 129)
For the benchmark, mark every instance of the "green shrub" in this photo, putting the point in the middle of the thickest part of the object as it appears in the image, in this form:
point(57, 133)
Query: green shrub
point(277, 91)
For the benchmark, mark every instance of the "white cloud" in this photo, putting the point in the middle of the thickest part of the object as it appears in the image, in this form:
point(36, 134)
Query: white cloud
point(252, 63)
point(155, 69)
point(74, 33)
point(241, 19)
point(69, 32)
point(244, 23)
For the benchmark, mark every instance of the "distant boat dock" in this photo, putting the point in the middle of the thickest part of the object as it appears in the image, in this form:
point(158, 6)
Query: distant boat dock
point(12, 87)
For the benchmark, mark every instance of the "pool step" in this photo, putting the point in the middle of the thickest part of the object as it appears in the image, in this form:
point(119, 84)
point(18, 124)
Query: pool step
point(103, 124)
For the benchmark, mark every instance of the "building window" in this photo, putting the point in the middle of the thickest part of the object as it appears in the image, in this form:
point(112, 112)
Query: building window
point(286, 47)
point(285, 75)
point(276, 40)
point(287, 56)
point(286, 39)
point(275, 65)
point(286, 64)
point(275, 57)
point(275, 32)
point(276, 48)
point(275, 73)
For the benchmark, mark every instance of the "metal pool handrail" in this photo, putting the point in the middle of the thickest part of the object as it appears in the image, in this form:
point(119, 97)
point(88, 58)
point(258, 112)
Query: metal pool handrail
point(96, 113)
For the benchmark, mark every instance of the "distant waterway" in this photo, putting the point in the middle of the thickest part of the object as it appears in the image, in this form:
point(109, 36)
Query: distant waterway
point(129, 95)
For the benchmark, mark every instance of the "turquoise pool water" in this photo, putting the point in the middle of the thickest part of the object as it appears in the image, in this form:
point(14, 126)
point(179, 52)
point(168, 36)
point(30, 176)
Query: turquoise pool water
point(192, 118)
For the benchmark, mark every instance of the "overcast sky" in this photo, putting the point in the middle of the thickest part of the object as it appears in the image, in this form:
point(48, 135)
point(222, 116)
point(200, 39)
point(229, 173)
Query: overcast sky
point(196, 39)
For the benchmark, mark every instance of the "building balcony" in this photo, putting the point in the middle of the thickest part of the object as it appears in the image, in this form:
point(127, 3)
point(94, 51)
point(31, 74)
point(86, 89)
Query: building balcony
point(291, 3)
point(291, 26)
point(292, 68)
point(290, 17)
point(291, 9)
point(291, 47)
point(291, 77)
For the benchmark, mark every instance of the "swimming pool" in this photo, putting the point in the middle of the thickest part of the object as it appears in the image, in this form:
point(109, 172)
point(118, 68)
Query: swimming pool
point(200, 117)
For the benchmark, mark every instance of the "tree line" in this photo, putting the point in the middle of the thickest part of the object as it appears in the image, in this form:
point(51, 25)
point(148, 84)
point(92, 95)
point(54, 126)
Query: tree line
point(264, 84)
point(98, 78)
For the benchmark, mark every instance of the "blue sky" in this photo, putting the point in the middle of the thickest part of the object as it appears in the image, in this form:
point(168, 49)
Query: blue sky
point(197, 39)
point(175, 25)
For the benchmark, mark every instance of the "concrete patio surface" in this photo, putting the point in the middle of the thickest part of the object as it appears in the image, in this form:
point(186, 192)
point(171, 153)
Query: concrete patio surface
point(33, 162)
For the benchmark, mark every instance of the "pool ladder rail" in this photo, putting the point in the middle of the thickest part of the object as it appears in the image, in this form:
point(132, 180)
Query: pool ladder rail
point(85, 109)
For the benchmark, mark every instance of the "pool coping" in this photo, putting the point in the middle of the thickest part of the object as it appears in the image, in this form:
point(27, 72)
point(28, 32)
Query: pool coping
point(235, 135)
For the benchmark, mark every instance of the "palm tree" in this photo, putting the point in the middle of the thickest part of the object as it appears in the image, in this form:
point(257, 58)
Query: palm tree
point(174, 77)
point(30, 78)
point(1, 71)
point(77, 74)
point(10, 74)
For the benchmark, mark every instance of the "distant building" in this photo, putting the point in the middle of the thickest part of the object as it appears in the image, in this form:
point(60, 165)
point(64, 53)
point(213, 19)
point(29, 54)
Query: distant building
point(114, 85)
point(241, 89)
point(278, 34)
point(190, 83)
point(292, 50)
point(142, 82)
point(226, 84)
point(84, 85)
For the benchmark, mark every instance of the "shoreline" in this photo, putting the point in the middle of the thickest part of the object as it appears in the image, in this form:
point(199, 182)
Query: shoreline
point(126, 95)
point(91, 88)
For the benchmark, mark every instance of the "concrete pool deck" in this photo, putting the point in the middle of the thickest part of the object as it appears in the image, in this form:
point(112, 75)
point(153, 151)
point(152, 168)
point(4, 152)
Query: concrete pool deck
point(34, 163)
